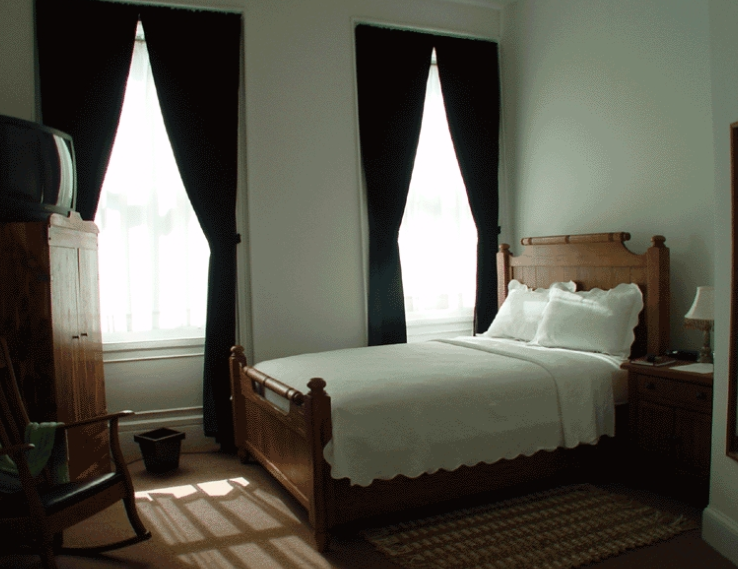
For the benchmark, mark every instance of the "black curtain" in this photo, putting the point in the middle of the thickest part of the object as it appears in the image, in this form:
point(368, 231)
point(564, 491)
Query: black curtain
point(195, 58)
point(84, 53)
point(392, 71)
point(470, 85)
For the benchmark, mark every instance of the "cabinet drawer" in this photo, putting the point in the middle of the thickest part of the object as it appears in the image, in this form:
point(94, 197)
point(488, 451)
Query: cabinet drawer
point(697, 397)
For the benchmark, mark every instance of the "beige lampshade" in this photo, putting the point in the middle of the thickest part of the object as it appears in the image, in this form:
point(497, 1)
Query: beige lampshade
point(703, 305)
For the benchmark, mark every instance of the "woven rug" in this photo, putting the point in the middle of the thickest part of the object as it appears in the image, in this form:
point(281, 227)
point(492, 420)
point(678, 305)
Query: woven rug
point(562, 528)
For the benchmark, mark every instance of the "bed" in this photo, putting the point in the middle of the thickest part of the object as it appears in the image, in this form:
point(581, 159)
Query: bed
point(291, 431)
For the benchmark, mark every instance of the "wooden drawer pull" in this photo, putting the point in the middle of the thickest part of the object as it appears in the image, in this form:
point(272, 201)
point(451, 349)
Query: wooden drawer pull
point(650, 385)
point(702, 396)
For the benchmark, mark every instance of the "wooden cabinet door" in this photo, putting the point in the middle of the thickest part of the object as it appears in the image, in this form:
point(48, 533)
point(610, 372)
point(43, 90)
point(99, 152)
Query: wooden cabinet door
point(64, 297)
point(89, 329)
point(78, 347)
point(656, 429)
point(693, 433)
point(90, 353)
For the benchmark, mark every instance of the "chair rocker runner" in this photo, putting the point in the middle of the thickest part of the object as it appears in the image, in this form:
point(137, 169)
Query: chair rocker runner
point(41, 510)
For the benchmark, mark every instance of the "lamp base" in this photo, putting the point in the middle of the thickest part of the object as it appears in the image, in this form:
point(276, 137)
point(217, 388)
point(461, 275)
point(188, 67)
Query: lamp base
point(705, 356)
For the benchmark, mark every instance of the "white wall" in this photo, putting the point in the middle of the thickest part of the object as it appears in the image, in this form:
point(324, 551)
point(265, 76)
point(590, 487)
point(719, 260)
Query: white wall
point(300, 192)
point(607, 119)
point(720, 520)
point(302, 180)
point(17, 84)
point(616, 118)
point(303, 171)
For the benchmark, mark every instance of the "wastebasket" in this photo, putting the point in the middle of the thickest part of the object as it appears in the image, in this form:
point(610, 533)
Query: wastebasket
point(160, 449)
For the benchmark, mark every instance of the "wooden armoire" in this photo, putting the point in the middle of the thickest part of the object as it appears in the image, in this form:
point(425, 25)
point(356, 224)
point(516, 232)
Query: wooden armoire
point(50, 314)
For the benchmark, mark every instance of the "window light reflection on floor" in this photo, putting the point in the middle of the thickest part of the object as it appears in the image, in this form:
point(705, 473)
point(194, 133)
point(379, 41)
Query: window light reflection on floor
point(228, 524)
point(213, 488)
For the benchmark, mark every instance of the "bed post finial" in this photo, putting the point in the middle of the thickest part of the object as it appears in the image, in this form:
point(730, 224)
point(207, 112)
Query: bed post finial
point(237, 354)
point(316, 385)
point(658, 241)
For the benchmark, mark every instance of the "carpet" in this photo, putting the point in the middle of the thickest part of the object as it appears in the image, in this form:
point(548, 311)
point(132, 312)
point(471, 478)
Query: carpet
point(565, 527)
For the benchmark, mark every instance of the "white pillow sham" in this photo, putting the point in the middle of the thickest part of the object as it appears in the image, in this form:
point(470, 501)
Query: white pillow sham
point(521, 312)
point(593, 321)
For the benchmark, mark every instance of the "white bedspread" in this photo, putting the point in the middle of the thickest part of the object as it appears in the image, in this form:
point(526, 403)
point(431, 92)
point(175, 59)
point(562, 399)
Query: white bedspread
point(416, 408)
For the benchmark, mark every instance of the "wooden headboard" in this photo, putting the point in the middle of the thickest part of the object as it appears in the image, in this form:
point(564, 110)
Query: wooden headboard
point(597, 260)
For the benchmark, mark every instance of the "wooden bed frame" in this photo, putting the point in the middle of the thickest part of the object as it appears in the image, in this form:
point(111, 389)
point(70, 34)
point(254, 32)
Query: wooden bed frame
point(290, 444)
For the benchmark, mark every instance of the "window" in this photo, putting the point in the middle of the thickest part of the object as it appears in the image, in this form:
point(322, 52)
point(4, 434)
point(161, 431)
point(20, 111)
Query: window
point(438, 237)
point(153, 254)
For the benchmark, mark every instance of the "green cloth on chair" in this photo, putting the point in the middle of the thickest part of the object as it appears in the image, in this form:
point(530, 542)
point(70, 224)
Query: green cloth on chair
point(49, 450)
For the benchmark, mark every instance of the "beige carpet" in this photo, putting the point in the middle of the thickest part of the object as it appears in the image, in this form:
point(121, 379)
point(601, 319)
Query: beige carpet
point(203, 516)
point(211, 513)
point(565, 527)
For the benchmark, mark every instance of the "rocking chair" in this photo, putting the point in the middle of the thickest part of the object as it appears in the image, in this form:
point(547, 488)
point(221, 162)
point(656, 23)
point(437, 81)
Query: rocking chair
point(41, 510)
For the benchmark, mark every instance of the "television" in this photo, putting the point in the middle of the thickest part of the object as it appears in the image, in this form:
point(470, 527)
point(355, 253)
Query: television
point(38, 173)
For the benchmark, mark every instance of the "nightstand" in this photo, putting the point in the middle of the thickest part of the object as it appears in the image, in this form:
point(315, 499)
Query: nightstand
point(670, 429)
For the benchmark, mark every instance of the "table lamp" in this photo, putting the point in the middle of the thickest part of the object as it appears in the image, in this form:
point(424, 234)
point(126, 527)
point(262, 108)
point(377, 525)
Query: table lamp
point(700, 317)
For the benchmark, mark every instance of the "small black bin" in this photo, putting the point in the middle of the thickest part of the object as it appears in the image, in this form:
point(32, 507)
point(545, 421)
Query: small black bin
point(160, 449)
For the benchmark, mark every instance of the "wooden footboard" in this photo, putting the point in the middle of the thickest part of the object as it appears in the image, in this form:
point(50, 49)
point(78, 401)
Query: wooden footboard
point(289, 444)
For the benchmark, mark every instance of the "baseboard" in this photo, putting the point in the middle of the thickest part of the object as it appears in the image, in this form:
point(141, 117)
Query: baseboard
point(187, 420)
point(721, 533)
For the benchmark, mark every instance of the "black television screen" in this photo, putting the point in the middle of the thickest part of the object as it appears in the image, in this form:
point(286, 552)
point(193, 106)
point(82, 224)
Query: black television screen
point(37, 171)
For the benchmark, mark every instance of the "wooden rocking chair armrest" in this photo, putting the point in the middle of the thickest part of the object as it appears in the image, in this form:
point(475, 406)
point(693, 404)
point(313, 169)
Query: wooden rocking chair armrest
point(13, 449)
point(108, 417)
point(116, 452)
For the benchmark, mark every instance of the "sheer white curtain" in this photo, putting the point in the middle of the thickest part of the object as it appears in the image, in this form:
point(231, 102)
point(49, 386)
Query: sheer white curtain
point(438, 238)
point(153, 255)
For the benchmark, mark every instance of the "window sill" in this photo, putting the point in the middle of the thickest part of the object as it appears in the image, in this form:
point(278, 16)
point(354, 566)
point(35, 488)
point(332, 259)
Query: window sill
point(434, 326)
point(119, 352)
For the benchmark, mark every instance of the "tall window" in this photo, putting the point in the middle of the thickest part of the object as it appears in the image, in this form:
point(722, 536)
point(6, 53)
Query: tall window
point(438, 237)
point(153, 254)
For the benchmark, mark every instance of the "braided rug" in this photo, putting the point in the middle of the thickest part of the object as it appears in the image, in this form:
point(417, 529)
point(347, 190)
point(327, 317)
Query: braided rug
point(562, 528)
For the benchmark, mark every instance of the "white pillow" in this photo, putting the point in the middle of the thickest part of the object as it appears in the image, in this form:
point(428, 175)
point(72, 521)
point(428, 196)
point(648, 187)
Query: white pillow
point(521, 312)
point(592, 321)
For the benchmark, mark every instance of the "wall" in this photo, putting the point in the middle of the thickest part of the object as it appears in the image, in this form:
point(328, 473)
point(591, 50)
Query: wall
point(162, 383)
point(620, 111)
point(608, 128)
point(17, 73)
point(302, 182)
point(720, 520)
point(303, 172)
point(301, 266)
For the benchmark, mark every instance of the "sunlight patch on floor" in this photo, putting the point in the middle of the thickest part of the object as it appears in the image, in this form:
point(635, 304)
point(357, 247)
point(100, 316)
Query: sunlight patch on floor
point(211, 488)
point(175, 491)
point(217, 509)
point(170, 521)
point(251, 514)
point(216, 488)
point(211, 519)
